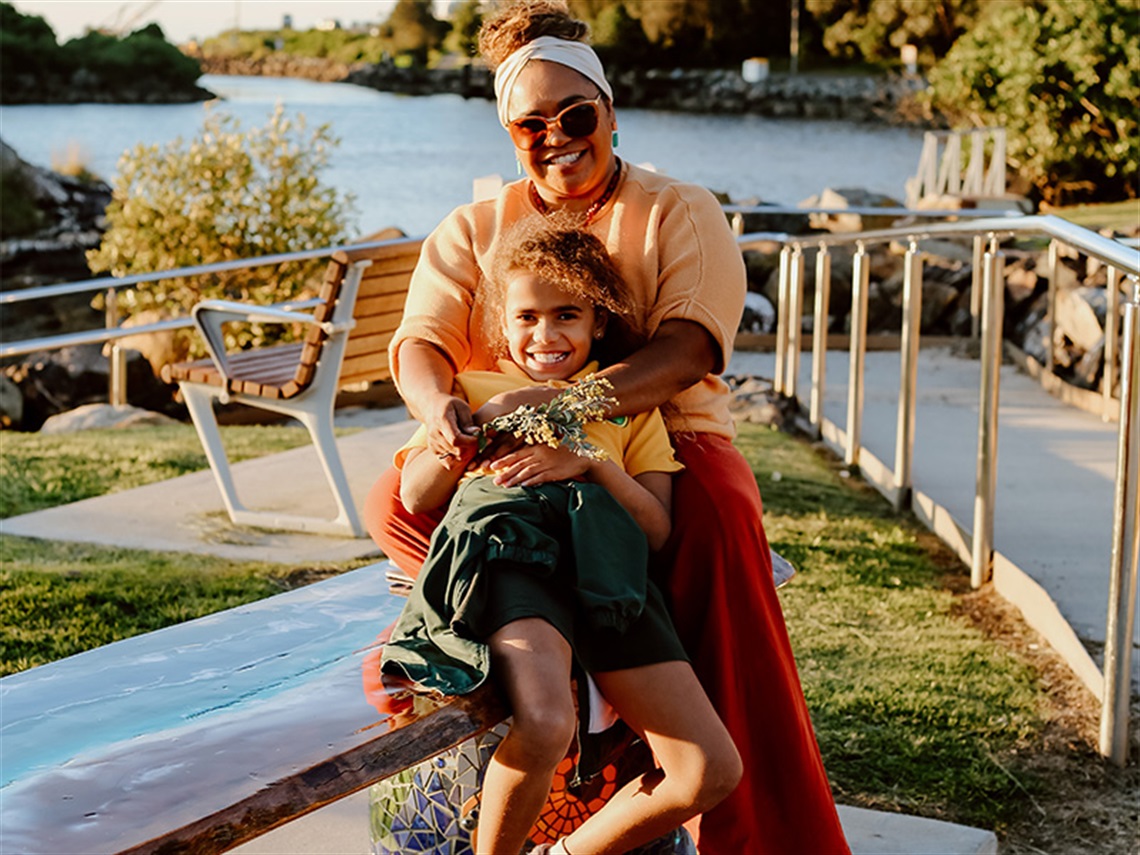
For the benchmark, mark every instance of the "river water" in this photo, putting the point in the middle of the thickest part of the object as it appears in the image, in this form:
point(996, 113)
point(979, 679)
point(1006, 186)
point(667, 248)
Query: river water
point(409, 160)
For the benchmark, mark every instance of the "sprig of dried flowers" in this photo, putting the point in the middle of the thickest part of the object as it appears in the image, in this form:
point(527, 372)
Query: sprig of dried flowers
point(562, 420)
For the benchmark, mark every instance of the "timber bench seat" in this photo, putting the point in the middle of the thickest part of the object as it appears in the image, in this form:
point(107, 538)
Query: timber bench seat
point(204, 735)
point(269, 372)
point(357, 311)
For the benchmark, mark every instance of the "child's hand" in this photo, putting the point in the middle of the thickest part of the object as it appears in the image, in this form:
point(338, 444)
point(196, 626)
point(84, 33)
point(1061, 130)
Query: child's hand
point(532, 465)
point(496, 445)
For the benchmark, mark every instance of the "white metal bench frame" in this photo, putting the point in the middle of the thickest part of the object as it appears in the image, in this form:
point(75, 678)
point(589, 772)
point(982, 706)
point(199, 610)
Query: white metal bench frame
point(313, 407)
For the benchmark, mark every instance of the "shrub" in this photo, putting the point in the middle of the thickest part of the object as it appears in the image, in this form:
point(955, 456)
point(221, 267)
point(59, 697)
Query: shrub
point(22, 215)
point(224, 195)
point(1060, 76)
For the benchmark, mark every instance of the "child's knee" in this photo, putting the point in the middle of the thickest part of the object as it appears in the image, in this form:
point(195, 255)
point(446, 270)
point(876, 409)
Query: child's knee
point(545, 731)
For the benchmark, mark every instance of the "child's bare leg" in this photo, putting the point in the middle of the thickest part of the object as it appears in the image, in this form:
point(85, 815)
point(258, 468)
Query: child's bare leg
point(531, 661)
point(699, 762)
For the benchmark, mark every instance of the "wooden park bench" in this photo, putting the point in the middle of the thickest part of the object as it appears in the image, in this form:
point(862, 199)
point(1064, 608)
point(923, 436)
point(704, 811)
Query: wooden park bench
point(359, 307)
point(204, 735)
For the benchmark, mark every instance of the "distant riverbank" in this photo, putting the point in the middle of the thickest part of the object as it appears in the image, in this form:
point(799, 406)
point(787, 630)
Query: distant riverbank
point(860, 98)
point(411, 160)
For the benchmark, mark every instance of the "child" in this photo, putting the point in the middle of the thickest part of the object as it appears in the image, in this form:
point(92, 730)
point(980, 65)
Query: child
point(542, 559)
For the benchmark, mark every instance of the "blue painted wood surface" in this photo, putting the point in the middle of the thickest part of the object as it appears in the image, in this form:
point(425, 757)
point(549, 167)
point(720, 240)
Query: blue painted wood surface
point(110, 749)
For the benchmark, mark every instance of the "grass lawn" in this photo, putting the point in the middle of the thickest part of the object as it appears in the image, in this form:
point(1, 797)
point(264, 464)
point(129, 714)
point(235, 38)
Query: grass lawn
point(44, 470)
point(913, 705)
point(924, 700)
point(1121, 216)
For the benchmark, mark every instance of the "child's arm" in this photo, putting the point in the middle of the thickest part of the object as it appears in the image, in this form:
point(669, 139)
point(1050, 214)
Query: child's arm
point(647, 498)
point(426, 482)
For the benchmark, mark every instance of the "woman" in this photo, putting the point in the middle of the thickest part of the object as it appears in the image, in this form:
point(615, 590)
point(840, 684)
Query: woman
point(676, 253)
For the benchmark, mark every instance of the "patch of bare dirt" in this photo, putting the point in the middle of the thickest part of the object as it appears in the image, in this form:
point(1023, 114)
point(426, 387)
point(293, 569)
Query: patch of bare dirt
point(1084, 803)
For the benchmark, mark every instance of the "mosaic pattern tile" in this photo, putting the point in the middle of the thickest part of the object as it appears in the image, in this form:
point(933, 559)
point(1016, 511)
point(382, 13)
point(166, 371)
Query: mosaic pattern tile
point(422, 809)
point(431, 808)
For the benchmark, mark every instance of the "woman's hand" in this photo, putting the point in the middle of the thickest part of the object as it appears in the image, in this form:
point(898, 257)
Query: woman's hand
point(451, 430)
point(531, 465)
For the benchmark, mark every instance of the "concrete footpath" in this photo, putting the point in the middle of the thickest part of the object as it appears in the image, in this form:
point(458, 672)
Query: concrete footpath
point(1055, 480)
point(1053, 520)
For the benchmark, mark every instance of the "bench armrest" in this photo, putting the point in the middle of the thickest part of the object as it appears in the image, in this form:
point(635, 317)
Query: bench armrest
point(211, 315)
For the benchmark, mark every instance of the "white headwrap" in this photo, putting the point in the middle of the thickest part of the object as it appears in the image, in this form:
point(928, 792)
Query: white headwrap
point(575, 55)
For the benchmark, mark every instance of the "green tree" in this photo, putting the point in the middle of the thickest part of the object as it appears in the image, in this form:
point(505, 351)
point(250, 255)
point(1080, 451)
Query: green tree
point(27, 45)
point(141, 55)
point(1061, 77)
point(686, 33)
point(465, 23)
point(34, 67)
point(224, 195)
point(874, 30)
point(619, 37)
point(413, 31)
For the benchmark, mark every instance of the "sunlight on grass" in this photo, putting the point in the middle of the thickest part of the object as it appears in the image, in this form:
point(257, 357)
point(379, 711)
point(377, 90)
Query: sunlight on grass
point(44, 470)
point(912, 705)
point(58, 599)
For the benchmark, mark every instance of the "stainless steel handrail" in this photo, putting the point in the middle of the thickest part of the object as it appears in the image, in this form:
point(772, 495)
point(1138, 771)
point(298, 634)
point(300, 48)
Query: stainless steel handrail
point(987, 305)
point(113, 331)
point(1125, 560)
point(45, 292)
point(871, 211)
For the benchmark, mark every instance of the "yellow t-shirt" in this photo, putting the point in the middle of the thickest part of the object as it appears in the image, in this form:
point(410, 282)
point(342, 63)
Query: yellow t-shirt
point(638, 444)
point(670, 240)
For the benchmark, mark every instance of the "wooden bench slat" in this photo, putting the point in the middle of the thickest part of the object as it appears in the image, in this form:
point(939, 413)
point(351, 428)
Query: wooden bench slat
point(376, 345)
point(368, 374)
point(378, 286)
point(365, 327)
point(380, 305)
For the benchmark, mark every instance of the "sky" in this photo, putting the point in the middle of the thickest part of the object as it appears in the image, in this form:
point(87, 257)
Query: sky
point(183, 20)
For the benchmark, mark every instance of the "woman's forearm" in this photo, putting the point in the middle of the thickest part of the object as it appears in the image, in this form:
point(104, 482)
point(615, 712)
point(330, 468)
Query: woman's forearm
point(680, 354)
point(425, 375)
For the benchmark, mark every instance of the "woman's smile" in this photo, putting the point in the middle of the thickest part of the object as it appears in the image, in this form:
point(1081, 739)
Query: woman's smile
point(566, 170)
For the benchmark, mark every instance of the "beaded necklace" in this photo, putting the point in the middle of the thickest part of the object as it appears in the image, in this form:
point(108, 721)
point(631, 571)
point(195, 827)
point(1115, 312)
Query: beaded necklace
point(597, 204)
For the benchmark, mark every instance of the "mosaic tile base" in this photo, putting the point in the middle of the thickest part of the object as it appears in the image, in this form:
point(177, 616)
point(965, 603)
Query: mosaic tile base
point(432, 807)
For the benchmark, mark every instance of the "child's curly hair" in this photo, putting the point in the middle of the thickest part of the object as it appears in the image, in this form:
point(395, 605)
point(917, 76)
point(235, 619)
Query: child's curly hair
point(581, 266)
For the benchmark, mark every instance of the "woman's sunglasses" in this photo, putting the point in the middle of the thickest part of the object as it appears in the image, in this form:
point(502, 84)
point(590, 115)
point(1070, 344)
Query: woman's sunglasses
point(576, 121)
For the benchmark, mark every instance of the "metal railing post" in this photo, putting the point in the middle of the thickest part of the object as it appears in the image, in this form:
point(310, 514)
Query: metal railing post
point(782, 320)
point(795, 320)
point(117, 391)
point(908, 371)
point(819, 336)
point(993, 298)
point(1111, 319)
point(1051, 306)
point(1125, 548)
point(976, 274)
point(860, 285)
